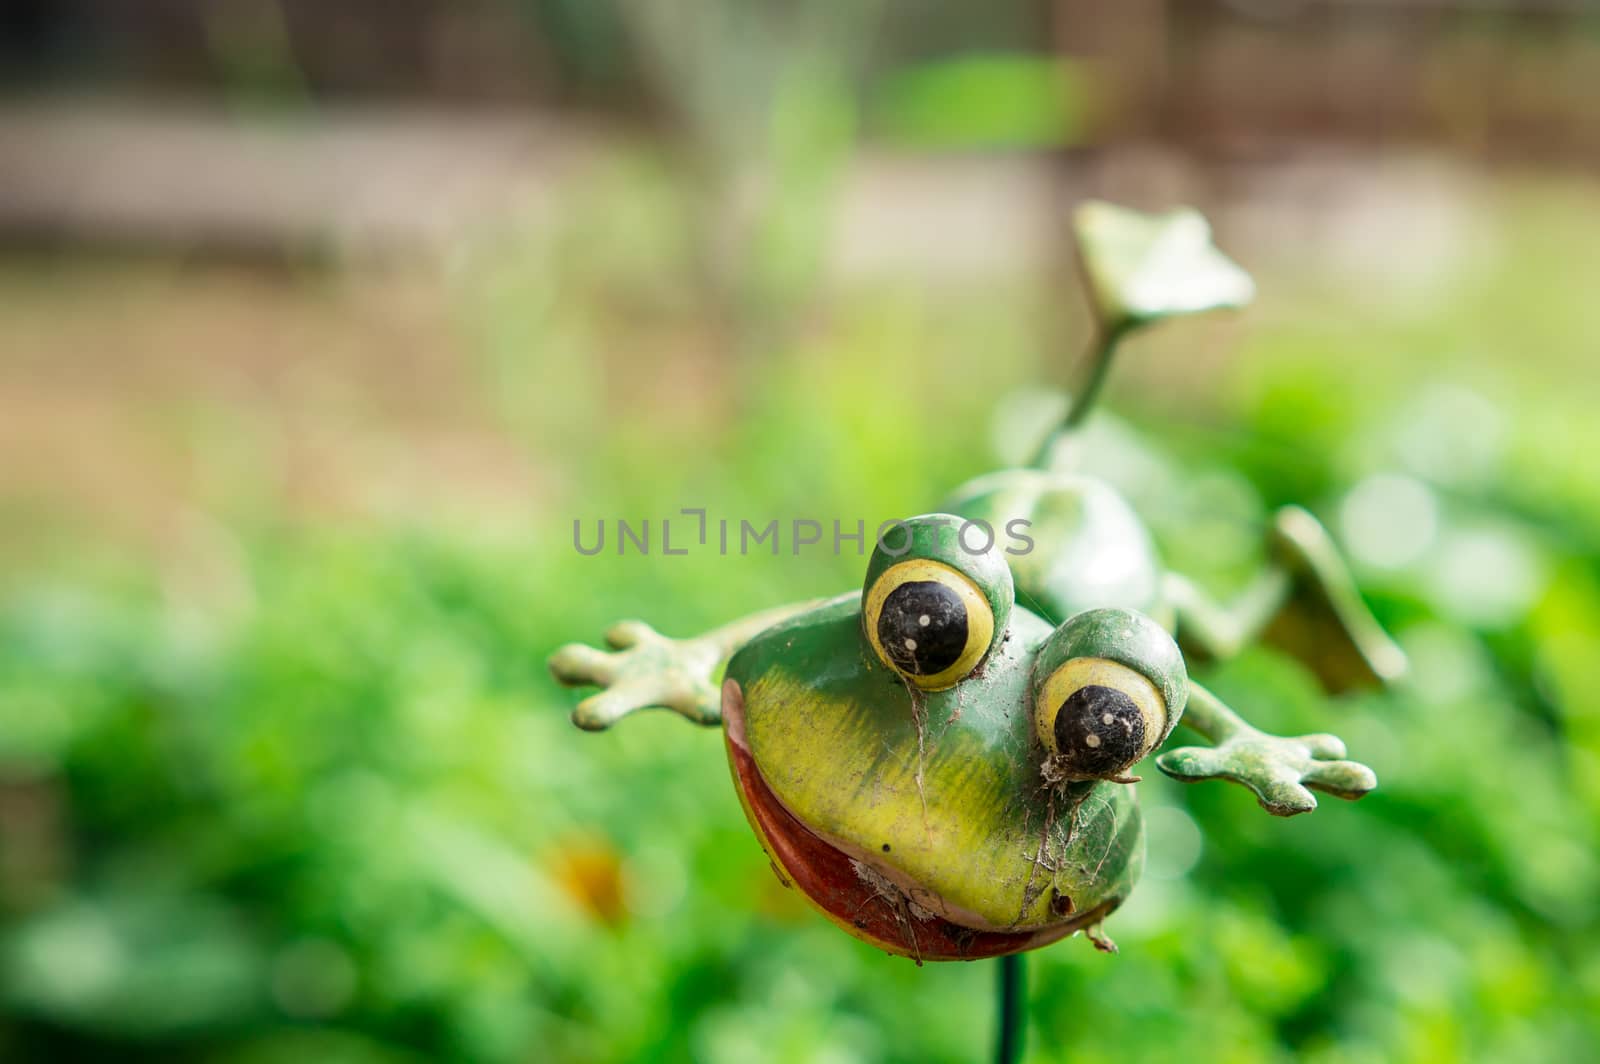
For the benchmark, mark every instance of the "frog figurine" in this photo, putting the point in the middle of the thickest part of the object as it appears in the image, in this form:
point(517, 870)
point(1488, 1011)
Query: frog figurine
point(941, 761)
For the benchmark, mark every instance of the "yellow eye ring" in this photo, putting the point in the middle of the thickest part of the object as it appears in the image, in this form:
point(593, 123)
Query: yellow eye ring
point(928, 622)
point(1100, 715)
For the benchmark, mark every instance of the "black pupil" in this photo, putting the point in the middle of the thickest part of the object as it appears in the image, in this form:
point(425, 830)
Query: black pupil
point(1099, 730)
point(923, 627)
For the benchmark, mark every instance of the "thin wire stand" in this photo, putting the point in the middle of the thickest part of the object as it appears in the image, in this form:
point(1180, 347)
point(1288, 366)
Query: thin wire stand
point(1008, 1044)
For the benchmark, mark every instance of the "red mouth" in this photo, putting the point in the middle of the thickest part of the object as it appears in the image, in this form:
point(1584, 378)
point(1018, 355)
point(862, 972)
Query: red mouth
point(829, 877)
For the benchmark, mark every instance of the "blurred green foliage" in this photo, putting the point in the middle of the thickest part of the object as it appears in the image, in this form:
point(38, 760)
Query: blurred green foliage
point(317, 799)
point(992, 101)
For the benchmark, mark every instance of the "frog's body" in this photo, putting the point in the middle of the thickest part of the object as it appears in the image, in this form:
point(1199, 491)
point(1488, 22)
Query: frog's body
point(940, 761)
point(1091, 548)
point(937, 793)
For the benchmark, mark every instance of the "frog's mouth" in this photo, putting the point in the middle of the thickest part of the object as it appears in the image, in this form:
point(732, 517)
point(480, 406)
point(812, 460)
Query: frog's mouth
point(853, 891)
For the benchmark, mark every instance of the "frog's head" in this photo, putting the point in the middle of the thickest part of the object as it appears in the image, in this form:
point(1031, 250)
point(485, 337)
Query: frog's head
point(937, 766)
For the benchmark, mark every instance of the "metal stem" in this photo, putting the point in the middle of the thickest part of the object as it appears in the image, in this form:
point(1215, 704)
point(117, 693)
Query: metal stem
point(1083, 402)
point(1012, 1026)
point(1103, 347)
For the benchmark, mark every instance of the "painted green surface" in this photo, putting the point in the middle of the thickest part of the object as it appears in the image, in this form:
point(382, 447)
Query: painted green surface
point(944, 786)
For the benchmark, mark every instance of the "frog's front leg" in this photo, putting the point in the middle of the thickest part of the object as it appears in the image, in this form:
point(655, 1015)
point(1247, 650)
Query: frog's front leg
point(1305, 602)
point(1281, 771)
point(646, 669)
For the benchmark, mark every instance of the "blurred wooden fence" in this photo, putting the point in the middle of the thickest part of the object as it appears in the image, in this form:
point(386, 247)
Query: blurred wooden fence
point(1513, 78)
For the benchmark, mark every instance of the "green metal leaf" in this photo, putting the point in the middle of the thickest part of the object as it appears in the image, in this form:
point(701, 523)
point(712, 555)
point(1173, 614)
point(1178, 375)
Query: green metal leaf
point(1145, 267)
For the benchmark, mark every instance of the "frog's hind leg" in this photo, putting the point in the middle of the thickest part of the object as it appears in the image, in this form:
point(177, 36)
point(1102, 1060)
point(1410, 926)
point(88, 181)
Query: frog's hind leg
point(1304, 602)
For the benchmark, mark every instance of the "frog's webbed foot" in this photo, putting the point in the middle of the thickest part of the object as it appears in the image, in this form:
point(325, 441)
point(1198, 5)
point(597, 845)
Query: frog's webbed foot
point(644, 670)
point(1281, 771)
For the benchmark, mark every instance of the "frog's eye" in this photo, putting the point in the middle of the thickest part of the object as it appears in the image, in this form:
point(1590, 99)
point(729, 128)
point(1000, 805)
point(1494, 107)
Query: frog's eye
point(932, 605)
point(1108, 686)
point(1099, 717)
point(928, 622)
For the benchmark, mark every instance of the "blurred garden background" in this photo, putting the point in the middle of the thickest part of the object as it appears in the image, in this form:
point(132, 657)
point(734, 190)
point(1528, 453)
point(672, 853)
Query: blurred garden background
point(321, 323)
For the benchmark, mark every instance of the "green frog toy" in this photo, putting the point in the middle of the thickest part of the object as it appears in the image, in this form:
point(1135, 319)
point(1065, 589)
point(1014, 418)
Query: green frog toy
point(941, 762)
